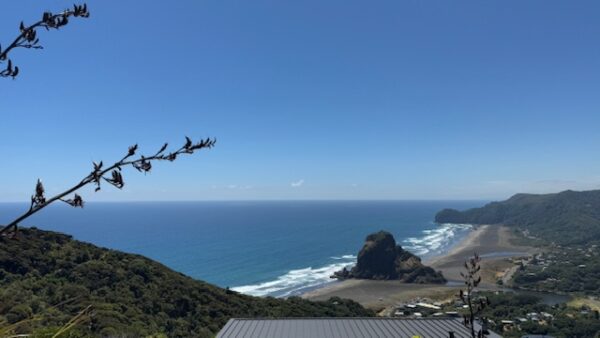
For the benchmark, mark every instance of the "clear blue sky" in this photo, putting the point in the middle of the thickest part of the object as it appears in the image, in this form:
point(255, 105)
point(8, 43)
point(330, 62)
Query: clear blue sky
point(309, 99)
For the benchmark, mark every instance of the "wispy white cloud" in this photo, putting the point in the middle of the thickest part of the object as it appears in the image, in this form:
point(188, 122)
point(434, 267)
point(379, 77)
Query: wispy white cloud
point(297, 184)
point(239, 187)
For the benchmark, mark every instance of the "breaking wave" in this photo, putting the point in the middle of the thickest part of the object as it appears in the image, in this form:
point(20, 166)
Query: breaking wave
point(295, 282)
point(436, 241)
point(433, 242)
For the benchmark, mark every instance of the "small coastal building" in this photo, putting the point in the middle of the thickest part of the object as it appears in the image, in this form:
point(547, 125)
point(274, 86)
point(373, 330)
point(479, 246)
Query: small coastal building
point(428, 306)
point(380, 327)
point(507, 325)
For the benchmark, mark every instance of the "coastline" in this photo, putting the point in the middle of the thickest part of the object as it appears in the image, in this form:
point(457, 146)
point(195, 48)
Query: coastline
point(468, 242)
point(490, 241)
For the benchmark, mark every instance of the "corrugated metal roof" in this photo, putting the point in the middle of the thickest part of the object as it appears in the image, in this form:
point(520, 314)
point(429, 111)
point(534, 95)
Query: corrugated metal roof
point(375, 327)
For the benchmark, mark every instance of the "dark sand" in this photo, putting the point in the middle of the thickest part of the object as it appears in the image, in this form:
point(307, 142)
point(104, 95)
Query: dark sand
point(490, 241)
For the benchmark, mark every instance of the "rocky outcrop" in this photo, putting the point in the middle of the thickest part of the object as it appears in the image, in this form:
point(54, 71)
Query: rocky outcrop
point(381, 259)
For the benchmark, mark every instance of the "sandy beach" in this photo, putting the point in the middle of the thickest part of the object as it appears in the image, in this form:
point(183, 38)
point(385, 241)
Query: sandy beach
point(491, 242)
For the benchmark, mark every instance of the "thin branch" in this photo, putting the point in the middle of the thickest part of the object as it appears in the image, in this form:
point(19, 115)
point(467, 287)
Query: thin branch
point(97, 176)
point(471, 281)
point(28, 35)
point(78, 319)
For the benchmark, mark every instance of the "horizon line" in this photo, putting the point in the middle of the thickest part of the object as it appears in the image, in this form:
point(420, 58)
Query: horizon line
point(285, 200)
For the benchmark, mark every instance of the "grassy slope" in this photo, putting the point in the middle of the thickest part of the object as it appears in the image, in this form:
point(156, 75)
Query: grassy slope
point(130, 294)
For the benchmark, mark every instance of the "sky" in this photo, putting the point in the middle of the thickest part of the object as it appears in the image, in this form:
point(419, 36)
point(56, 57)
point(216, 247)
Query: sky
point(437, 100)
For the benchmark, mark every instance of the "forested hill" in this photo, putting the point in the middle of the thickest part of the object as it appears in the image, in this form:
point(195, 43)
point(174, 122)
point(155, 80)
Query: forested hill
point(568, 217)
point(131, 296)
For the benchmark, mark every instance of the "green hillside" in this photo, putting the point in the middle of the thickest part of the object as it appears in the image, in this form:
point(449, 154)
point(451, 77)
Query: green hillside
point(131, 295)
point(568, 217)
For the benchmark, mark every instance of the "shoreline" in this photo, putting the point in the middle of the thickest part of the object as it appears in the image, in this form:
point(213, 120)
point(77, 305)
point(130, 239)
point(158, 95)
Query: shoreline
point(490, 241)
point(464, 244)
point(435, 242)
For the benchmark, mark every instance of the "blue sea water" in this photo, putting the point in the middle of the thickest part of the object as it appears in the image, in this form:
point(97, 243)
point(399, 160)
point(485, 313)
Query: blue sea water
point(261, 248)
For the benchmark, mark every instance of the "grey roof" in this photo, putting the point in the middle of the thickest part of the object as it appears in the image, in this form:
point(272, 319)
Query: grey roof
point(376, 327)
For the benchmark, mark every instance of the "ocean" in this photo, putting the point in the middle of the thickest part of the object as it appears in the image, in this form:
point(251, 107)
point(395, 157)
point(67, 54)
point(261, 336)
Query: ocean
point(261, 248)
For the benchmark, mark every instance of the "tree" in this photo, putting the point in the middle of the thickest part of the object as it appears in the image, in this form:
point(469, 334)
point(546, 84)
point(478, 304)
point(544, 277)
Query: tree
point(472, 279)
point(21, 315)
point(111, 174)
point(28, 37)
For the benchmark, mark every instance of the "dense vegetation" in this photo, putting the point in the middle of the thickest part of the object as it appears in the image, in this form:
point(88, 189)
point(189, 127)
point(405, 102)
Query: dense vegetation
point(565, 269)
point(566, 218)
point(565, 225)
point(557, 320)
point(130, 294)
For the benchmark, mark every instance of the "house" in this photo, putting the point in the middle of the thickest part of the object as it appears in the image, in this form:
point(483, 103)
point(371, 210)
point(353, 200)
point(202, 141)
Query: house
point(507, 325)
point(346, 328)
point(429, 306)
point(547, 315)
